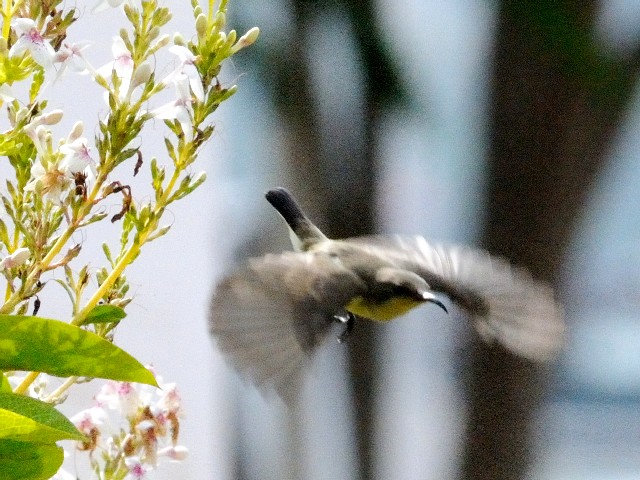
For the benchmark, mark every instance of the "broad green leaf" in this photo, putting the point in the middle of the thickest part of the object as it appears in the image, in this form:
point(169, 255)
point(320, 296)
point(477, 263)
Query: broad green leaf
point(105, 314)
point(57, 348)
point(30, 420)
point(29, 461)
point(5, 386)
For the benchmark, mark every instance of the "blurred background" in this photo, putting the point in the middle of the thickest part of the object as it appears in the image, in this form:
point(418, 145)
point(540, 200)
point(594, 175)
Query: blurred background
point(513, 126)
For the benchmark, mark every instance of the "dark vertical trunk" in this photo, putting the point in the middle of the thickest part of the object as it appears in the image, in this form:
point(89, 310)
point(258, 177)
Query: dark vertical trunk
point(363, 346)
point(556, 102)
point(337, 175)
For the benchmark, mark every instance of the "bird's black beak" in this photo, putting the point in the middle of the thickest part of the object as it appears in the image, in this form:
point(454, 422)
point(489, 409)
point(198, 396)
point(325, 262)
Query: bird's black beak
point(429, 297)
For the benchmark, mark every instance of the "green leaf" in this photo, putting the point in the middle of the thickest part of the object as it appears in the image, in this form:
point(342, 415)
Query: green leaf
point(30, 420)
point(105, 314)
point(107, 252)
point(5, 386)
point(54, 347)
point(29, 461)
point(38, 80)
point(96, 217)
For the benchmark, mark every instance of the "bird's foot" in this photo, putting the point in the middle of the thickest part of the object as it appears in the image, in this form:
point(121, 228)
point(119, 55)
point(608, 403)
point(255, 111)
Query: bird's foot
point(348, 320)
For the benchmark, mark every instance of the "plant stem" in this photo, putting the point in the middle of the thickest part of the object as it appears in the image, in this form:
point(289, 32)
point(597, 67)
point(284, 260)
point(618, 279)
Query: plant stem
point(108, 282)
point(16, 298)
point(162, 201)
point(128, 257)
point(7, 14)
point(55, 395)
point(28, 380)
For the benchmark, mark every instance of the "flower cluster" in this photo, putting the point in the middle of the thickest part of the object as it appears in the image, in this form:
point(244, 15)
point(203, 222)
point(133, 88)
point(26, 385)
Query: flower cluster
point(54, 172)
point(130, 428)
point(61, 188)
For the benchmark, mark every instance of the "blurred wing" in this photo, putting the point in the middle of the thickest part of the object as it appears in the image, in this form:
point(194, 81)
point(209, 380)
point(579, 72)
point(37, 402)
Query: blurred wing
point(269, 317)
point(506, 303)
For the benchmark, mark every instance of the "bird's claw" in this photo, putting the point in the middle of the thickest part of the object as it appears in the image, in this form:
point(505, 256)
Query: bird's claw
point(348, 319)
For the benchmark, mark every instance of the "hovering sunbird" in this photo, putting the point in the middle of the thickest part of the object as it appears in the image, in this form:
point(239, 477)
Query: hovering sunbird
point(269, 316)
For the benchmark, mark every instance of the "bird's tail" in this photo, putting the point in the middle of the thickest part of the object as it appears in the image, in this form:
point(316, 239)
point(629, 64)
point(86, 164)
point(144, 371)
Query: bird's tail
point(303, 232)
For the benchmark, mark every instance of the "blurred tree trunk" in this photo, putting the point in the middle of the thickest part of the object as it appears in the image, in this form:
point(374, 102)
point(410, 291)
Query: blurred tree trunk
point(556, 103)
point(335, 174)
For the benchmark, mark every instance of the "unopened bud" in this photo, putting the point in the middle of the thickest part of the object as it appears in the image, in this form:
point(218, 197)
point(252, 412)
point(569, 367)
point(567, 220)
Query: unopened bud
point(76, 132)
point(17, 258)
point(141, 75)
point(247, 39)
point(154, 32)
point(163, 41)
point(52, 117)
point(178, 39)
point(201, 26)
point(199, 178)
point(250, 37)
point(177, 453)
point(220, 21)
point(231, 37)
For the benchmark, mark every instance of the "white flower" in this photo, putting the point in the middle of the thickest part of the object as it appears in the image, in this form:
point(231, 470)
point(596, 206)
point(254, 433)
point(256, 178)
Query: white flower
point(145, 425)
point(186, 67)
point(140, 434)
point(77, 158)
point(70, 56)
point(121, 396)
point(17, 258)
point(122, 63)
point(188, 85)
point(6, 94)
point(88, 419)
point(136, 469)
point(37, 132)
point(40, 136)
point(111, 448)
point(51, 183)
point(185, 55)
point(179, 109)
point(29, 38)
point(176, 454)
point(170, 400)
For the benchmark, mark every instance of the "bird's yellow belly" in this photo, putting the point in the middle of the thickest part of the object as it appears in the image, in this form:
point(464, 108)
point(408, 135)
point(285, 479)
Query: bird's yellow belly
point(383, 311)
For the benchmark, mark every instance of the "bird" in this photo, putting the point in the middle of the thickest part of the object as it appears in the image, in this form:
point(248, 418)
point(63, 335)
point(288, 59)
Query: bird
point(271, 315)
